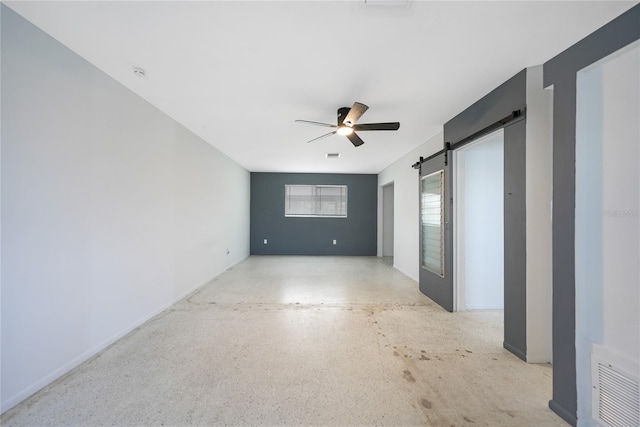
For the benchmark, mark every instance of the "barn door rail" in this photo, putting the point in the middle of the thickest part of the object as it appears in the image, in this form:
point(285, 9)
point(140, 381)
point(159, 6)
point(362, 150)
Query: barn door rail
point(516, 115)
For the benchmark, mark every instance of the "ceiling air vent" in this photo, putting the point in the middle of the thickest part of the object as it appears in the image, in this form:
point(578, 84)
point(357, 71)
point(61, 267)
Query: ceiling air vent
point(333, 155)
point(386, 3)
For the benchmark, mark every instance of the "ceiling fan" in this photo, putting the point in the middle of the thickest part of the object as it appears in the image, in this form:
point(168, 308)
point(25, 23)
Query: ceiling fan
point(347, 118)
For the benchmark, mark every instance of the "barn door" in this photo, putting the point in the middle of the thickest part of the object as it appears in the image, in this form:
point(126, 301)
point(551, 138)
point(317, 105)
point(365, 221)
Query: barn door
point(436, 250)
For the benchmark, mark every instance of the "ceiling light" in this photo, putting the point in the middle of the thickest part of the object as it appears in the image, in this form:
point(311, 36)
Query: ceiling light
point(344, 130)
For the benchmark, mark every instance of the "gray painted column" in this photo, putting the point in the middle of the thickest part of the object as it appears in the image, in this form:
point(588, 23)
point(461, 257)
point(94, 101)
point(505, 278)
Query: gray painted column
point(561, 73)
point(515, 240)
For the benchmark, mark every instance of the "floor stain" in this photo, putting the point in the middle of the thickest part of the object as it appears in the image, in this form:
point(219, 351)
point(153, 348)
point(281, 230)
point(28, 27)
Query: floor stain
point(407, 376)
point(422, 407)
point(469, 351)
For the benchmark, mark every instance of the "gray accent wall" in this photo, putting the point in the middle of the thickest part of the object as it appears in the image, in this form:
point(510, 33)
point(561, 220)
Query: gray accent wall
point(560, 72)
point(499, 103)
point(355, 235)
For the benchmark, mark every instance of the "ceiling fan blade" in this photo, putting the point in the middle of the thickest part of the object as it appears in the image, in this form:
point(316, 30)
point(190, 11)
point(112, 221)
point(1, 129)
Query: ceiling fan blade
point(377, 126)
point(356, 111)
point(316, 123)
point(355, 139)
point(322, 136)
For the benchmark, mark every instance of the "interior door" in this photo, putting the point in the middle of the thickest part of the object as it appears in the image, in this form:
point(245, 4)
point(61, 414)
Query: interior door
point(436, 243)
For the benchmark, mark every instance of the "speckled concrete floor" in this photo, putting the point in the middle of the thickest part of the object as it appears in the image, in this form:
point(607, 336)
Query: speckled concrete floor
point(306, 341)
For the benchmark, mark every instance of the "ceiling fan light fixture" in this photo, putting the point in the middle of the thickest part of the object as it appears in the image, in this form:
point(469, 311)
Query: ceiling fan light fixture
point(344, 130)
point(346, 126)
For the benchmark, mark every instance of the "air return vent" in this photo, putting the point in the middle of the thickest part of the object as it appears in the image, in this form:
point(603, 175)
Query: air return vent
point(615, 399)
point(386, 3)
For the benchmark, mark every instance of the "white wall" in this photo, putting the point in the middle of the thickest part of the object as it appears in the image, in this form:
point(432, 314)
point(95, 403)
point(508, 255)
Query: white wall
point(539, 175)
point(479, 223)
point(607, 216)
point(111, 212)
point(406, 256)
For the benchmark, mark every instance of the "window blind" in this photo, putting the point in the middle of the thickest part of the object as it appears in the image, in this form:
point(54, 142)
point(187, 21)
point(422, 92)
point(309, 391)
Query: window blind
point(316, 200)
point(432, 222)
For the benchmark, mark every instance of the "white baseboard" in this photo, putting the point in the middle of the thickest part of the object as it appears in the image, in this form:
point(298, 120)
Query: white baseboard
point(12, 401)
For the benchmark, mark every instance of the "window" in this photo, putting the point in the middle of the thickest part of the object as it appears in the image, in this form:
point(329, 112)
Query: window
point(315, 200)
point(432, 221)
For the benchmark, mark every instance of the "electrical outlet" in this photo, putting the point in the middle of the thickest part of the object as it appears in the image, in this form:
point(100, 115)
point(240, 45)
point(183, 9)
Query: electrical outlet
point(335, 242)
point(265, 241)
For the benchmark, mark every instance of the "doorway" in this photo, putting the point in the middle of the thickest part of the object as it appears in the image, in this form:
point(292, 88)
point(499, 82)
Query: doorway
point(479, 224)
point(607, 236)
point(467, 127)
point(387, 222)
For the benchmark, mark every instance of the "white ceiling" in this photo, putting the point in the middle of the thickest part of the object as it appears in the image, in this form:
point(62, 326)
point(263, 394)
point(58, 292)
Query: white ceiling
point(239, 73)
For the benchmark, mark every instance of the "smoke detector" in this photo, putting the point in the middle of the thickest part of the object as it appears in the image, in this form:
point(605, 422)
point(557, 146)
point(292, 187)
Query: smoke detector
point(139, 72)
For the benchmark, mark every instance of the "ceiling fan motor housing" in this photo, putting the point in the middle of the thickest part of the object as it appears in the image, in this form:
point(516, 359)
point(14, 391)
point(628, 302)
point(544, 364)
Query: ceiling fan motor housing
point(342, 114)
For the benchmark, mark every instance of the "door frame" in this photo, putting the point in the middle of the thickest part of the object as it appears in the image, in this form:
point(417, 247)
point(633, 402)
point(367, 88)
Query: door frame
point(385, 219)
point(561, 73)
